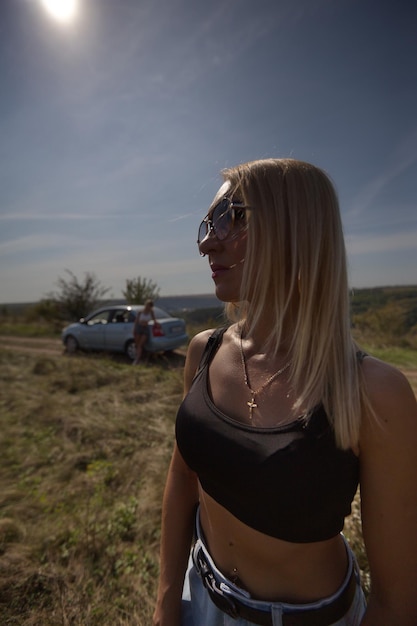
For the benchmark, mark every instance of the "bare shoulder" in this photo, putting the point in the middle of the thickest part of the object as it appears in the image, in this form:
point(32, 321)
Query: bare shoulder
point(377, 371)
point(194, 354)
point(198, 343)
point(387, 387)
point(392, 400)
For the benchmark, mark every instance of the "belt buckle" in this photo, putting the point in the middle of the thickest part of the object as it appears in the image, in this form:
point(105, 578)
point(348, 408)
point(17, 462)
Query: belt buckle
point(223, 601)
point(220, 598)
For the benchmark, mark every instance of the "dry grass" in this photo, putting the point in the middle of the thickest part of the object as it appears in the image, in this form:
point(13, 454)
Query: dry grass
point(85, 446)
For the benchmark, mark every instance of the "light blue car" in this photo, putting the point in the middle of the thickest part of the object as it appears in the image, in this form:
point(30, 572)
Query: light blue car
point(110, 329)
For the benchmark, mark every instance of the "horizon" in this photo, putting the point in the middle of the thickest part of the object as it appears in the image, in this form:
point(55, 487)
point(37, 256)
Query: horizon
point(208, 295)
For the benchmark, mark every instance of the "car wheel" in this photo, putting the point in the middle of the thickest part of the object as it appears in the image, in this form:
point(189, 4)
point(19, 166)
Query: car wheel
point(130, 349)
point(71, 344)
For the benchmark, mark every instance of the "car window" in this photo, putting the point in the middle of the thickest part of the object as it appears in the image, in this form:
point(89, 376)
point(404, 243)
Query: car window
point(119, 316)
point(99, 318)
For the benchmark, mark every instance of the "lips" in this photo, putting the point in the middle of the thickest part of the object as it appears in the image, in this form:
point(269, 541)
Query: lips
point(217, 269)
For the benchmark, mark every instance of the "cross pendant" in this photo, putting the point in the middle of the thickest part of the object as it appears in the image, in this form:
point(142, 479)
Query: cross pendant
point(252, 405)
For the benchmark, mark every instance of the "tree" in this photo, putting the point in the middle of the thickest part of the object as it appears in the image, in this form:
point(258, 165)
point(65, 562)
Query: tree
point(76, 298)
point(138, 290)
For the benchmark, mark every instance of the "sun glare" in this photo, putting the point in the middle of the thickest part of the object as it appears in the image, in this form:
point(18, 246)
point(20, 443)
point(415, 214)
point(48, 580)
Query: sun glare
point(61, 10)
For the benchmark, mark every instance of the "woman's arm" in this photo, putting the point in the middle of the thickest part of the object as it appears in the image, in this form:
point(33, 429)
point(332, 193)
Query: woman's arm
point(136, 323)
point(178, 510)
point(388, 455)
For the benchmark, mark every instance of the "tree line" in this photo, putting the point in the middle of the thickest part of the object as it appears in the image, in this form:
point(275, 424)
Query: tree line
point(75, 297)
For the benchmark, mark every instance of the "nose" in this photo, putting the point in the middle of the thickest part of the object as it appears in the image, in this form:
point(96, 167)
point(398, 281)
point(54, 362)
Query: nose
point(209, 242)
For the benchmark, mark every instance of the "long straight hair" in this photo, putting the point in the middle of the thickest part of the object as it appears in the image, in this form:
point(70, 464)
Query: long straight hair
point(295, 269)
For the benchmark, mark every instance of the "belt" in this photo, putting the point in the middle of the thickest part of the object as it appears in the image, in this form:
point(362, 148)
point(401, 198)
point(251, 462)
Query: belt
point(323, 616)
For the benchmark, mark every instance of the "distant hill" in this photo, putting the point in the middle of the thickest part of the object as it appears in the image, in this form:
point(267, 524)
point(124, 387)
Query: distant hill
point(363, 300)
point(169, 303)
point(387, 315)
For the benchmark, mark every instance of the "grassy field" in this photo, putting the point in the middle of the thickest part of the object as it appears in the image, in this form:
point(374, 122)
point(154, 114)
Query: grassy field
point(85, 445)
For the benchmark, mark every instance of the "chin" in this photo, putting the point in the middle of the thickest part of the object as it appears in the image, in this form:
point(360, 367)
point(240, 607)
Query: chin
point(225, 294)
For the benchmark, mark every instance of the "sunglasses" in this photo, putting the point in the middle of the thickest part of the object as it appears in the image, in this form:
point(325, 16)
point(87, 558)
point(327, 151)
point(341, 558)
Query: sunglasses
point(222, 220)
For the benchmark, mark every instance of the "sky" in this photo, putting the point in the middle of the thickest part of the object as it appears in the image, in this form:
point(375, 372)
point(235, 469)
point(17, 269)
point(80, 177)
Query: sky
point(116, 124)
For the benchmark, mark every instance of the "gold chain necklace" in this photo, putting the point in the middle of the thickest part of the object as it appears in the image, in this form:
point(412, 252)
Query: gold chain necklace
point(252, 402)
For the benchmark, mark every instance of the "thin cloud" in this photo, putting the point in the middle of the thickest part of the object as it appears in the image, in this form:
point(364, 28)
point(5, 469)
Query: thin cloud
point(394, 242)
point(35, 216)
point(402, 158)
point(38, 242)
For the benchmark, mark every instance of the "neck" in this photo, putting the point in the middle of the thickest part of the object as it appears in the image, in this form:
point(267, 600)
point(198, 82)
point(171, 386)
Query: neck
point(258, 340)
point(260, 330)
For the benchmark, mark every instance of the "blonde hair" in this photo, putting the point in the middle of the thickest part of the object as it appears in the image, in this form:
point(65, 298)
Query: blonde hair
point(295, 268)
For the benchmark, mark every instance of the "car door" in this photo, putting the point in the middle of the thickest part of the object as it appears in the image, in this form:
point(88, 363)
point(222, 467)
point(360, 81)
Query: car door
point(94, 330)
point(118, 330)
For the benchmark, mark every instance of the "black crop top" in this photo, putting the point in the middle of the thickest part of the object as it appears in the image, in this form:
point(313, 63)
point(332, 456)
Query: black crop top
point(289, 482)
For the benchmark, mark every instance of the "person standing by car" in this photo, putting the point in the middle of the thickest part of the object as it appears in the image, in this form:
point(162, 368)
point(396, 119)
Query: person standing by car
point(141, 328)
point(282, 417)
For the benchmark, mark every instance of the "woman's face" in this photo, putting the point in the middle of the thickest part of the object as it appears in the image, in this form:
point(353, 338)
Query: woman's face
point(225, 251)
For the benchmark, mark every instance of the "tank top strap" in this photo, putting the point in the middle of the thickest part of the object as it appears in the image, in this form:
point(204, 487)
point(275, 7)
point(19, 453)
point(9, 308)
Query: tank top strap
point(360, 355)
point(210, 348)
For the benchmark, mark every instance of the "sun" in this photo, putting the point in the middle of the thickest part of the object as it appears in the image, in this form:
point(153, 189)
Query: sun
point(61, 10)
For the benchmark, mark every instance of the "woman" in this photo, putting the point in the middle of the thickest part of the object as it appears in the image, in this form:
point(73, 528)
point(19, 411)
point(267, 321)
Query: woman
point(282, 417)
point(141, 328)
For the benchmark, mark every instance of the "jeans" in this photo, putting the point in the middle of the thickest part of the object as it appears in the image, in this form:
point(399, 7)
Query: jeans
point(199, 610)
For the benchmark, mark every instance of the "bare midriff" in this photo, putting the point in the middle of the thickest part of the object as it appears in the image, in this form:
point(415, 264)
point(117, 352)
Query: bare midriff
point(270, 568)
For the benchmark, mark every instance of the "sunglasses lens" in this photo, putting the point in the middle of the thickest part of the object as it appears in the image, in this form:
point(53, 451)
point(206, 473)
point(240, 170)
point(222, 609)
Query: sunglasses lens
point(222, 219)
point(202, 231)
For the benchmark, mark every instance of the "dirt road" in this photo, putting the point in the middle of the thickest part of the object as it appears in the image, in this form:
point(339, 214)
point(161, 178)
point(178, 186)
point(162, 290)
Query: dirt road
point(55, 347)
point(33, 345)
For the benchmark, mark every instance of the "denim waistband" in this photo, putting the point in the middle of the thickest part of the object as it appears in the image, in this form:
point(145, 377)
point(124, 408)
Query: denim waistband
point(226, 594)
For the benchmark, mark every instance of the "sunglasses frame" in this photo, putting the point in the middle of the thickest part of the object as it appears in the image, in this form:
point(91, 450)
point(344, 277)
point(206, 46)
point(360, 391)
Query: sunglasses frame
point(231, 207)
